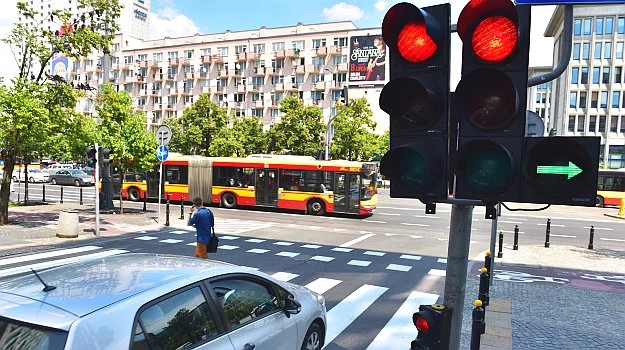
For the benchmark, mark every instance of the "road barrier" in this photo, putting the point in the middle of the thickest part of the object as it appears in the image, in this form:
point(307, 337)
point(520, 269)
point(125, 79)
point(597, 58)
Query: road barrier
point(61, 194)
point(515, 246)
point(181, 207)
point(547, 232)
point(488, 261)
point(500, 252)
point(592, 237)
point(167, 210)
point(44, 193)
point(478, 325)
point(80, 195)
point(484, 286)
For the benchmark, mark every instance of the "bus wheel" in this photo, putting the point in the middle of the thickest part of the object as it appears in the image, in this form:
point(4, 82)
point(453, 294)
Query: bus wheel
point(133, 194)
point(600, 202)
point(228, 200)
point(316, 207)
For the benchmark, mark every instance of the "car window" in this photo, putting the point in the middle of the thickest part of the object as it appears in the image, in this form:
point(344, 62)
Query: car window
point(17, 335)
point(180, 321)
point(243, 300)
point(62, 172)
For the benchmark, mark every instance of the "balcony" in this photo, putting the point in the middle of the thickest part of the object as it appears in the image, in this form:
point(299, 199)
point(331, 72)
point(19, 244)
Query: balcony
point(204, 75)
point(235, 72)
point(313, 68)
point(212, 59)
point(140, 107)
point(279, 87)
point(241, 56)
point(158, 77)
point(259, 103)
point(300, 69)
point(223, 104)
point(145, 64)
point(143, 92)
point(170, 107)
point(185, 61)
point(252, 88)
point(240, 88)
point(294, 53)
point(274, 71)
point(318, 102)
point(319, 86)
point(173, 61)
point(186, 91)
point(321, 51)
point(335, 51)
point(127, 66)
point(154, 64)
point(341, 67)
point(220, 88)
point(291, 86)
point(189, 75)
point(169, 76)
point(155, 92)
point(157, 106)
point(280, 54)
point(223, 73)
point(235, 104)
point(259, 71)
point(334, 85)
point(206, 89)
point(173, 91)
point(252, 56)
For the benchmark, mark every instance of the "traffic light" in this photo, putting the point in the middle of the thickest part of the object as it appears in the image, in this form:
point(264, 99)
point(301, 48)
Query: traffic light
point(106, 156)
point(90, 155)
point(344, 95)
point(490, 100)
point(433, 323)
point(417, 101)
point(561, 170)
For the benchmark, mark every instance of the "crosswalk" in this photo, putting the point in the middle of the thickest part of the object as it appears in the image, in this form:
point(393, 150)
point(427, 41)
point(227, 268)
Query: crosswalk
point(348, 307)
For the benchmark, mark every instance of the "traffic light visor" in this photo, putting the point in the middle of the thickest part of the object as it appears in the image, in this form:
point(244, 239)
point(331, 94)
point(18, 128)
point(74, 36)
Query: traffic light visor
point(414, 103)
point(490, 27)
point(485, 166)
point(412, 32)
point(487, 98)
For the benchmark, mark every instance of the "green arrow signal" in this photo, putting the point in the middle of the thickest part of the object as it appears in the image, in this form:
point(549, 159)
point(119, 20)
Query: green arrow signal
point(569, 170)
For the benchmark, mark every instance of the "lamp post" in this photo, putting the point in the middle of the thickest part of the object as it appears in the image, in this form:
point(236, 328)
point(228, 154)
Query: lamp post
point(328, 129)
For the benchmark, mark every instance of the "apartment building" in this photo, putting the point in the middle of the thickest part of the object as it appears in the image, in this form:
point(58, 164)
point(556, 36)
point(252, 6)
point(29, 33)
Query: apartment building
point(588, 99)
point(248, 72)
point(539, 96)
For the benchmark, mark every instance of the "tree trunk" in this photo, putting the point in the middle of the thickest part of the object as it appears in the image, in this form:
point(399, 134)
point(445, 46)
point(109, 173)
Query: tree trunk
point(5, 190)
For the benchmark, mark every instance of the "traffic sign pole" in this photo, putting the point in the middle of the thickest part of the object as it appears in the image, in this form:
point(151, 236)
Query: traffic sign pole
point(161, 154)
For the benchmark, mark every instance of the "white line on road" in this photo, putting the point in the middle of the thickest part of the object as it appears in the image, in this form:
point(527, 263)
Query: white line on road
point(322, 285)
point(613, 239)
point(54, 263)
point(565, 236)
point(356, 240)
point(509, 222)
point(388, 214)
point(375, 221)
point(46, 255)
point(552, 225)
point(600, 228)
point(411, 224)
point(427, 216)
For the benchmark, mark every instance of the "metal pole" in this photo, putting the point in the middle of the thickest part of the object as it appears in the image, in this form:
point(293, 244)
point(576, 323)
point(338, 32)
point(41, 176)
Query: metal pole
point(547, 232)
point(80, 195)
point(478, 325)
point(96, 175)
point(44, 193)
point(500, 252)
point(592, 237)
point(167, 210)
point(145, 200)
point(61, 195)
point(493, 239)
point(181, 207)
point(457, 265)
point(515, 246)
point(160, 188)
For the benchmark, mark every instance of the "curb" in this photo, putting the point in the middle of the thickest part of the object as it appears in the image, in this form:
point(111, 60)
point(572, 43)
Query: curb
point(615, 216)
point(498, 335)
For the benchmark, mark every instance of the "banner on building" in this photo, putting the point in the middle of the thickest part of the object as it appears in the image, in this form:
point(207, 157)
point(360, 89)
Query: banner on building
point(59, 65)
point(367, 59)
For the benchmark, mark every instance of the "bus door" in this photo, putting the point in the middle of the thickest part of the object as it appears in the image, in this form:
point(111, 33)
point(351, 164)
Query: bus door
point(347, 193)
point(267, 187)
point(152, 182)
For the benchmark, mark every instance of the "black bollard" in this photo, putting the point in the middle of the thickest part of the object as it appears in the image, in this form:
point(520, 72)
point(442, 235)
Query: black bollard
point(145, 201)
point(167, 210)
point(80, 195)
point(500, 252)
point(592, 237)
point(478, 327)
point(488, 261)
point(181, 207)
point(44, 193)
point(515, 246)
point(61, 194)
point(547, 232)
point(484, 286)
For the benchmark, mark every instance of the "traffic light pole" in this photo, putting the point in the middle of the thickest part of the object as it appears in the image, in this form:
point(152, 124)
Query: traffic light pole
point(96, 175)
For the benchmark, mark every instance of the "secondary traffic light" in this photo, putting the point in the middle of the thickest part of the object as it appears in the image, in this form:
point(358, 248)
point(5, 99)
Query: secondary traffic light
point(106, 156)
point(417, 100)
point(561, 170)
point(344, 95)
point(490, 100)
point(433, 323)
point(90, 155)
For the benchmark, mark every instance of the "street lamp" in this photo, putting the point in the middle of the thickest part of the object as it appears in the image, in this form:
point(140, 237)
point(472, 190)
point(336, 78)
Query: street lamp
point(328, 130)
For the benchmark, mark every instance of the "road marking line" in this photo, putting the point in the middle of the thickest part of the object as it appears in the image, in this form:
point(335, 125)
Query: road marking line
point(437, 272)
point(416, 236)
point(322, 285)
point(342, 250)
point(388, 214)
point(374, 221)
point(565, 236)
point(284, 276)
point(361, 263)
point(410, 224)
point(397, 267)
point(171, 241)
point(255, 240)
point(322, 258)
point(509, 222)
point(613, 239)
point(288, 254)
point(410, 257)
point(230, 238)
point(427, 216)
point(146, 238)
point(284, 243)
point(356, 240)
point(180, 232)
point(19, 259)
point(311, 246)
point(552, 225)
point(600, 228)
point(442, 260)
point(54, 263)
point(345, 312)
point(368, 252)
point(258, 251)
point(399, 329)
point(228, 247)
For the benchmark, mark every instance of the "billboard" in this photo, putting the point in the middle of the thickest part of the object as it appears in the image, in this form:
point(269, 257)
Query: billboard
point(59, 66)
point(367, 59)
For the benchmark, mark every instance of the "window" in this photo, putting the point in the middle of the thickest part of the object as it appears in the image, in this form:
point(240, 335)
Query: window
point(602, 123)
point(616, 98)
point(317, 95)
point(179, 321)
point(584, 75)
point(597, 50)
point(222, 51)
point(592, 124)
point(605, 79)
point(538, 97)
point(613, 123)
point(599, 26)
point(157, 57)
point(245, 300)
point(128, 60)
point(336, 60)
point(176, 174)
point(257, 112)
point(240, 49)
point(604, 99)
point(317, 43)
point(571, 123)
point(622, 129)
point(607, 50)
point(596, 72)
point(620, 27)
point(585, 51)
point(577, 27)
point(582, 99)
point(594, 97)
point(340, 42)
point(575, 75)
point(587, 26)
point(172, 54)
point(619, 50)
point(142, 57)
point(576, 51)
point(259, 48)
point(206, 52)
point(581, 123)
point(188, 53)
point(298, 44)
point(573, 100)
point(278, 46)
point(618, 71)
point(609, 25)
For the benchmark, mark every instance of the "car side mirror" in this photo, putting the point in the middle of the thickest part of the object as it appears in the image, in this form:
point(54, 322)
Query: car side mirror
point(292, 307)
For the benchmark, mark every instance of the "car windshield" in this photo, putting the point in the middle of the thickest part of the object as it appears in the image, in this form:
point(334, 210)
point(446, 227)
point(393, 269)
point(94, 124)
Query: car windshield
point(14, 335)
point(77, 172)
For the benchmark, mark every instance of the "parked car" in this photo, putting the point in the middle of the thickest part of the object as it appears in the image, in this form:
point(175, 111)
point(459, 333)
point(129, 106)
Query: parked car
point(72, 177)
point(53, 168)
point(152, 301)
point(34, 175)
point(88, 170)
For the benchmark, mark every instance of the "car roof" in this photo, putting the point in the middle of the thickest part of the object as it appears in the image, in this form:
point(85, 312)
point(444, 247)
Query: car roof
point(87, 286)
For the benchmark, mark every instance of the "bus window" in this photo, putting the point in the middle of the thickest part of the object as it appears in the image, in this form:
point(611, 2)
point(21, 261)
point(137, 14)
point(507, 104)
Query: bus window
point(232, 177)
point(175, 174)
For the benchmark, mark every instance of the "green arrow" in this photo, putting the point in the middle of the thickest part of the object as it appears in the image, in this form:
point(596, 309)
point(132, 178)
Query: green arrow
point(569, 170)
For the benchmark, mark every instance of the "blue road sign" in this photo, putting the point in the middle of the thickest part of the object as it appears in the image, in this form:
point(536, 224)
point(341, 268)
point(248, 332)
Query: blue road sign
point(566, 2)
point(162, 152)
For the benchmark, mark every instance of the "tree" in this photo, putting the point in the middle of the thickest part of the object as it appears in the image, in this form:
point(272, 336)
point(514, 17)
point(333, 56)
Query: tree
point(194, 132)
point(30, 108)
point(125, 133)
point(353, 136)
point(245, 137)
point(299, 131)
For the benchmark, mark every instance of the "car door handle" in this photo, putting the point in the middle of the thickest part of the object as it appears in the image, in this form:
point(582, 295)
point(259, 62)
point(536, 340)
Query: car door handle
point(249, 346)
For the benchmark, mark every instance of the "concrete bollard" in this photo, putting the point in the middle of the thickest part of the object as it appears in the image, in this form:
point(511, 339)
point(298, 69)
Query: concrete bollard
point(68, 224)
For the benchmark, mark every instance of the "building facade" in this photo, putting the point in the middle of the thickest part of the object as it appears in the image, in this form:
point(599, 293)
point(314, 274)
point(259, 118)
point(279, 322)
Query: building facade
point(588, 99)
point(539, 96)
point(247, 72)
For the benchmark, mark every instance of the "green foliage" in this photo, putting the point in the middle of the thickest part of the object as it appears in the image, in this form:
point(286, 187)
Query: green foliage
point(193, 133)
point(353, 132)
point(299, 131)
point(245, 137)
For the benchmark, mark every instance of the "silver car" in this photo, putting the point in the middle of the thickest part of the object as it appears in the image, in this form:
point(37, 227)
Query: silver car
point(151, 301)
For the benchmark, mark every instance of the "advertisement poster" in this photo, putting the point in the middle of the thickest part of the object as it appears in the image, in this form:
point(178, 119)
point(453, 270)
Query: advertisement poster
point(367, 59)
point(59, 66)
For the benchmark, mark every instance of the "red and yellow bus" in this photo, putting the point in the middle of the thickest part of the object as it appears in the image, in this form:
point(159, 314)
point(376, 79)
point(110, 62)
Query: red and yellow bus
point(289, 182)
point(610, 187)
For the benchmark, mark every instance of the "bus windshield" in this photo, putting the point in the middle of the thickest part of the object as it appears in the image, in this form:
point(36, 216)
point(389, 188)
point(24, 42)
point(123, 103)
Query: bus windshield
point(369, 180)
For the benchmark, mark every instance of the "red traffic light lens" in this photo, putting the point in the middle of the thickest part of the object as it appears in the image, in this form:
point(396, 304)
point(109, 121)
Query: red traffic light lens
point(494, 39)
point(421, 323)
point(414, 44)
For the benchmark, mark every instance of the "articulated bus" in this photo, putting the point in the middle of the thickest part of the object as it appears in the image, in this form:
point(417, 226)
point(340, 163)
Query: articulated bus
point(290, 182)
point(610, 187)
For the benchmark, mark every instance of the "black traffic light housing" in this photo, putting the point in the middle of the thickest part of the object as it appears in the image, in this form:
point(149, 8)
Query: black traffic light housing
point(434, 325)
point(105, 154)
point(490, 100)
point(417, 101)
point(345, 95)
point(90, 155)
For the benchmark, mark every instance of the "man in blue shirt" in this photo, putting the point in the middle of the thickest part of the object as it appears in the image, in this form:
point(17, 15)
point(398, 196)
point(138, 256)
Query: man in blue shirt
point(202, 219)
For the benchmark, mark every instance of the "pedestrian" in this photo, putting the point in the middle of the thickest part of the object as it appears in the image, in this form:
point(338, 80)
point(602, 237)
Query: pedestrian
point(203, 220)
